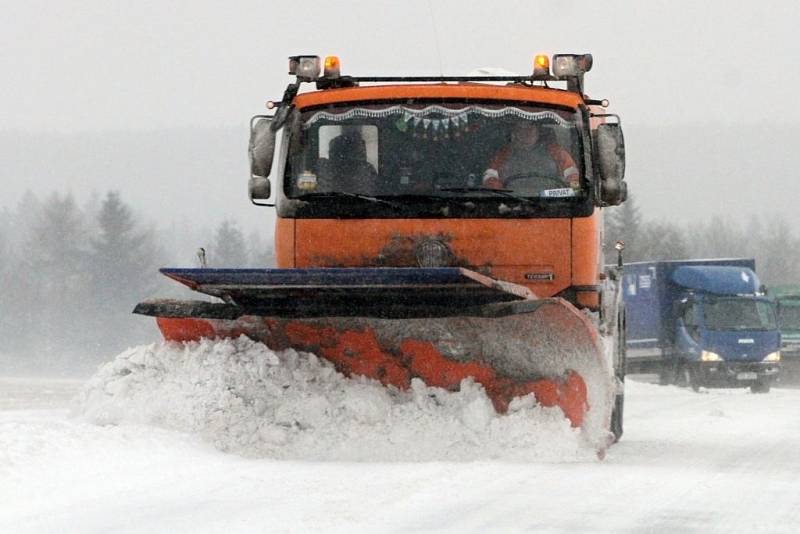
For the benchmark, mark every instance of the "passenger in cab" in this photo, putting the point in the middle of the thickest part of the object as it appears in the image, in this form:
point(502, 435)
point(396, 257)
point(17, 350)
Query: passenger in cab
point(347, 168)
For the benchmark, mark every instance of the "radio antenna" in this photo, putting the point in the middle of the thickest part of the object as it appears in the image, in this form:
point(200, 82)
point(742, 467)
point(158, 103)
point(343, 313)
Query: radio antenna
point(436, 38)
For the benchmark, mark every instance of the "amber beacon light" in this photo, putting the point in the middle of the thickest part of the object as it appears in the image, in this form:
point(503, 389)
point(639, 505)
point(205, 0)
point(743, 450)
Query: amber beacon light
point(541, 65)
point(332, 67)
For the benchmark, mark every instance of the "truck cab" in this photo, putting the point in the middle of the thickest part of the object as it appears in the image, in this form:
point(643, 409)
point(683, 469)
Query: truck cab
point(389, 172)
point(728, 339)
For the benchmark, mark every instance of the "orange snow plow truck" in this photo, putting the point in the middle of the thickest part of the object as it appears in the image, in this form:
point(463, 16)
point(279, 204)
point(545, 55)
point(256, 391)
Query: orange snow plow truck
point(441, 228)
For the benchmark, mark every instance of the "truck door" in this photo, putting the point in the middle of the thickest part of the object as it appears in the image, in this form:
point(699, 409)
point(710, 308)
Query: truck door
point(687, 329)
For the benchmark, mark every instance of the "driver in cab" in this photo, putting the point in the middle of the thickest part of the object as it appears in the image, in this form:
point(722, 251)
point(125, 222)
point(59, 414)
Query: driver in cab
point(530, 153)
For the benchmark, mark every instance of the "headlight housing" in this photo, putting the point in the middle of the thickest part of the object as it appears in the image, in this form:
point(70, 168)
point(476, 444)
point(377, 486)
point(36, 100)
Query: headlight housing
point(708, 356)
point(773, 356)
point(571, 64)
point(306, 68)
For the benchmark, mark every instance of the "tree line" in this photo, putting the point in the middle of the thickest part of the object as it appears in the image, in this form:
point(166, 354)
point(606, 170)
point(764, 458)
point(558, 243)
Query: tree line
point(771, 240)
point(70, 274)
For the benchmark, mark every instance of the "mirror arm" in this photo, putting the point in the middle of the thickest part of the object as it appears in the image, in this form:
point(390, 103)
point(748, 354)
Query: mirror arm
point(285, 106)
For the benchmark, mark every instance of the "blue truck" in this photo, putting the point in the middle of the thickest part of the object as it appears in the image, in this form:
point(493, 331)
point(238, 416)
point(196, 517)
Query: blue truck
point(701, 323)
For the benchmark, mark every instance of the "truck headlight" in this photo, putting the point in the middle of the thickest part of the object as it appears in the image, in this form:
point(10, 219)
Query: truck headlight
point(773, 356)
point(708, 356)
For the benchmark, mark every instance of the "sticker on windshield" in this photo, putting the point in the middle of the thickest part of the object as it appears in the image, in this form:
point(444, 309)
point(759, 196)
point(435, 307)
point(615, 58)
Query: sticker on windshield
point(307, 181)
point(558, 193)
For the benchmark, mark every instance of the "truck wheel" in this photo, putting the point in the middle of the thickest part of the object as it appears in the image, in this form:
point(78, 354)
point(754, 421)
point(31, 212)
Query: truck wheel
point(670, 373)
point(760, 387)
point(667, 375)
point(694, 381)
point(619, 399)
point(616, 417)
point(687, 377)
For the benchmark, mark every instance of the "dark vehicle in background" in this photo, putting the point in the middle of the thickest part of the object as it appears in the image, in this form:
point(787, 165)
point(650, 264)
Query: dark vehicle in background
point(787, 304)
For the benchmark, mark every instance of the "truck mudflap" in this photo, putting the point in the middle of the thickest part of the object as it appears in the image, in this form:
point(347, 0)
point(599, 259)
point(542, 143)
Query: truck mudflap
point(511, 346)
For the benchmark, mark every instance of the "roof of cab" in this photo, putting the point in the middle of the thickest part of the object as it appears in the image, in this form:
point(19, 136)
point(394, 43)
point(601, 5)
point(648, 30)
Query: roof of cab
point(458, 91)
point(717, 279)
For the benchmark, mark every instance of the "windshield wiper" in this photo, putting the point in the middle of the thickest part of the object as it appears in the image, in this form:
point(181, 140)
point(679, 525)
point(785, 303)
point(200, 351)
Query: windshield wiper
point(425, 196)
point(340, 194)
point(507, 193)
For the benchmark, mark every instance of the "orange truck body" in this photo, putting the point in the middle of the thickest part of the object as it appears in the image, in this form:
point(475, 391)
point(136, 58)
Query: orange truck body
point(547, 255)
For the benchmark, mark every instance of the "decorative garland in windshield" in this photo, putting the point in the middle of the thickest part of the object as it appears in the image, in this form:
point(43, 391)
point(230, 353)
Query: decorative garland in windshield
point(452, 117)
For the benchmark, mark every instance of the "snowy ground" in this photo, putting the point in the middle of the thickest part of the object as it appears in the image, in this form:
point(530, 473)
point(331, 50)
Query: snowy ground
point(717, 461)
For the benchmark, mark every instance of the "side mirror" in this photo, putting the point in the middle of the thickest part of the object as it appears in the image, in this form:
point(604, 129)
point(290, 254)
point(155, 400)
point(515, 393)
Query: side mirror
point(261, 150)
point(262, 145)
point(611, 161)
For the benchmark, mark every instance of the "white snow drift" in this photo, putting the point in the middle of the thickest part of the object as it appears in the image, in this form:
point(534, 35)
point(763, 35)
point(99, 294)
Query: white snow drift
point(247, 399)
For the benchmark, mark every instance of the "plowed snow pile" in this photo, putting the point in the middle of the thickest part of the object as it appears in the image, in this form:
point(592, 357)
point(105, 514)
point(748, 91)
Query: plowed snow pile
point(249, 400)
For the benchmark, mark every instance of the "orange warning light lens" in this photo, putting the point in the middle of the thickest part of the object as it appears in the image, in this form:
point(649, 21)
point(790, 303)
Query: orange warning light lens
point(332, 67)
point(541, 65)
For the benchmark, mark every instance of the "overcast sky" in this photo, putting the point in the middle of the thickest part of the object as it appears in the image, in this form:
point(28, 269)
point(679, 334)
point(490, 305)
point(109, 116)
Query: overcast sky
point(97, 65)
point(103, 64)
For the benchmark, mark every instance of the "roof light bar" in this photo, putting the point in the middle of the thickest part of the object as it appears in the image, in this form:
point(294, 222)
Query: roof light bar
point(327, 73)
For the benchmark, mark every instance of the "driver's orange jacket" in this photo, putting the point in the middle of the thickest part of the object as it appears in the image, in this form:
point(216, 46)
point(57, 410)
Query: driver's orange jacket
point(564, 162)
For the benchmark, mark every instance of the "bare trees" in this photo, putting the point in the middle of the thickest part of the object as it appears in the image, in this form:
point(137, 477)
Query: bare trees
point(69, 276)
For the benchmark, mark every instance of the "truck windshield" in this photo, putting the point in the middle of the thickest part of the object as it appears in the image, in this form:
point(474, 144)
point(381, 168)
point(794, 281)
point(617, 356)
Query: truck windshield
point(437, 150)
point(738, 314)
point(789, 314)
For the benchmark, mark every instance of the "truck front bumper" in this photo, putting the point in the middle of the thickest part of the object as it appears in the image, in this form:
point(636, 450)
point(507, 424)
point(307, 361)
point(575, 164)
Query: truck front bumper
point(736, 374)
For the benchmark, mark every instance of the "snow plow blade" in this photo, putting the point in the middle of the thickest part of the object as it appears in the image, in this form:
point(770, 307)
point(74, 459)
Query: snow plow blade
point(441, 325)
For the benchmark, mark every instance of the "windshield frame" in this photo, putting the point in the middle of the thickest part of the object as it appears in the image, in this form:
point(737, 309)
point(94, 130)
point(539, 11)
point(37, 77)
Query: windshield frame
point(437, 205)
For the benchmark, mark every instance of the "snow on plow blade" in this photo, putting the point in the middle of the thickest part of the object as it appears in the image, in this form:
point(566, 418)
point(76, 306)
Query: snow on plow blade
point(441, 325)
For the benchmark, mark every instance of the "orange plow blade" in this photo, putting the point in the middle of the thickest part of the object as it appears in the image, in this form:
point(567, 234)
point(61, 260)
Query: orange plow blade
point(393, 325)
point(551, 350)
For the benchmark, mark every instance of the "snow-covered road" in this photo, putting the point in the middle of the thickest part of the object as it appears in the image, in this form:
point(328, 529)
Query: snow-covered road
point(717, 461)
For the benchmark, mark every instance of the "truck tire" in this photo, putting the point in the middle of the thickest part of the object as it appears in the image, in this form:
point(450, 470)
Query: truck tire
point(667, 374)
point(686, 377)
point(622, 364)
point(616, 416)
point(694, 381)
point(760, 387)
